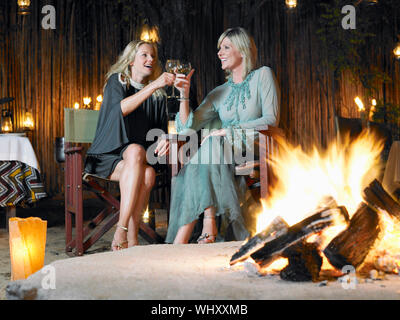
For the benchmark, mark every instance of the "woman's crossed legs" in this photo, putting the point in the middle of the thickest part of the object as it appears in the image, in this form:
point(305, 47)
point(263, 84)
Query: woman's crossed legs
point(136, 179)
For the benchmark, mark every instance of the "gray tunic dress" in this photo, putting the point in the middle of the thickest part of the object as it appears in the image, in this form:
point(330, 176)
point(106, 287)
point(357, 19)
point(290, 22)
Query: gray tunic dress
point(208, 178)
point(115, 132)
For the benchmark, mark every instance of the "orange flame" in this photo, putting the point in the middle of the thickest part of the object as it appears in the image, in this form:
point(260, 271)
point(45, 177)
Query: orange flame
point(307, 180)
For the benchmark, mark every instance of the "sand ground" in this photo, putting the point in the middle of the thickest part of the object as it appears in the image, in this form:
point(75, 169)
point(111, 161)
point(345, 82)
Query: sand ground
point(52, 210)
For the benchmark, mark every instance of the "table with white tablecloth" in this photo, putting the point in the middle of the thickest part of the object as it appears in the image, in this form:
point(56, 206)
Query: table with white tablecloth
point(20, 180)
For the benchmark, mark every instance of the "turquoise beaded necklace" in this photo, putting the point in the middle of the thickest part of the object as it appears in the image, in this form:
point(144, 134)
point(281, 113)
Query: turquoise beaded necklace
point(239, 92)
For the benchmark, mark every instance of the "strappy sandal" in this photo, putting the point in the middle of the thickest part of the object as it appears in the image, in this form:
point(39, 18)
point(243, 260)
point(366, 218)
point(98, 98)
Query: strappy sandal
point(119, 245)
point(206, 237)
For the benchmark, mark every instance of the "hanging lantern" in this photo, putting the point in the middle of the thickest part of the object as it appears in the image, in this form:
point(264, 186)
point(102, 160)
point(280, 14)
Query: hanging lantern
point(23, 7)
point(291, 3)
point(6, 121)
point(28, 121)
point(149, 34)
point(27, 239)
point(396, 51)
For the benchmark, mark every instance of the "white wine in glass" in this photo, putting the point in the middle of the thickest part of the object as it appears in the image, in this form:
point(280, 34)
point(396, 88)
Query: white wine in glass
point(170, 67)
point(183, 67)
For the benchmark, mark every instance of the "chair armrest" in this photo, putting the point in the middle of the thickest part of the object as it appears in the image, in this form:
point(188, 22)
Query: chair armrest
point(69, 148)
point(270, 131)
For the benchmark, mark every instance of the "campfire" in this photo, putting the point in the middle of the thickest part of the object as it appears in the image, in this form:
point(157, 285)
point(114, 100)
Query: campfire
point(327, 213)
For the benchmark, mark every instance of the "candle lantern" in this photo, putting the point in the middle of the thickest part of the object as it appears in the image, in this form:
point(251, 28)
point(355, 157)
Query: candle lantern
point(291, 3)
point(86, 102)
point(99, 100)
point(6, 121)
point(27, 239)
point(23, 7)
point(396, 51)
point(171, 123)
point(28, 121)
point(149, 218)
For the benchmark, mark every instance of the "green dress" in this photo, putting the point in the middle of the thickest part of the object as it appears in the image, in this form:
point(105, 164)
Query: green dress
point(208, 178)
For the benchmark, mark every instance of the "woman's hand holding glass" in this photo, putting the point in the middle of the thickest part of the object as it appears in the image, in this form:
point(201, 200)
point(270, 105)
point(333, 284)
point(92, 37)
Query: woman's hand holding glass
point(182, 83)
point(165, 79)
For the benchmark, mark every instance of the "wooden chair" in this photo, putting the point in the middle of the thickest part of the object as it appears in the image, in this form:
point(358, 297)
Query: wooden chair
point(261, 170)
point(80, 128)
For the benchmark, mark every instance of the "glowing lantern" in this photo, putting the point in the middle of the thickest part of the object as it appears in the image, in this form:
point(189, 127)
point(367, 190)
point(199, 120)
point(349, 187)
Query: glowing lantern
point(6, 121)
point(28, 121)
point(27, 246)
point(149, 218)
point(23, 7)
point(372, 109)
point(396, 51)
point(76, 105)
point(171, 127)
point(291, 4)
point(99, 100)
point(359, 103)
point(149, 34)
point(86, 102)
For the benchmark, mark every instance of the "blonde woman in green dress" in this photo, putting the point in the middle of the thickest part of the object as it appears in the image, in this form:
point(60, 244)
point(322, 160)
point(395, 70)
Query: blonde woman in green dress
point(248, 99)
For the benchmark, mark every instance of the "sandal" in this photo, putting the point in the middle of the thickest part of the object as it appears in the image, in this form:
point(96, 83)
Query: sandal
point(119, 245)
point(206, 238)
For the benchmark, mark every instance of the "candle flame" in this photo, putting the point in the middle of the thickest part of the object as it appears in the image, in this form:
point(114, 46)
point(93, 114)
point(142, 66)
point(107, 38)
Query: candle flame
point(359, 103)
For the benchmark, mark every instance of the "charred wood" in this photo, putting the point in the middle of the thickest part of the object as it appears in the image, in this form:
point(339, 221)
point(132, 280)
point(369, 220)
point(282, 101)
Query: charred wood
point(351, 246)
point(277, 228)
point(313, 224)
point(305, 262)
point(375, 195)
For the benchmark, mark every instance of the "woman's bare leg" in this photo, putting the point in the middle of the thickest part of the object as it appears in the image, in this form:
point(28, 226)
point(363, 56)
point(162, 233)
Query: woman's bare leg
point(209, 227)
point(184, 233)
point(210, 231)
point(142, 200)
point(129, 172)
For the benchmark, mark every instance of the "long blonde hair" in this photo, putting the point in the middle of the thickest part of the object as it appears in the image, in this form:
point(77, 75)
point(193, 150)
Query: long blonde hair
point(245, 44)
point(127, 56)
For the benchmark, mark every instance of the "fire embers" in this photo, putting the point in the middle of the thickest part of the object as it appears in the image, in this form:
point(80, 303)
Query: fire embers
point(349, 247)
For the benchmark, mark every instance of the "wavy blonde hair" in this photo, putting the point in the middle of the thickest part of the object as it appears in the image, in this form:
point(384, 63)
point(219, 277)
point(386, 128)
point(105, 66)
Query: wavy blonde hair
point(127, 56)
point(245, 44)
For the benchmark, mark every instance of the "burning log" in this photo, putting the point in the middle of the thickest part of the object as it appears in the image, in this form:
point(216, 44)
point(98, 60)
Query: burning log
point(351, 246)
point(313, 224)
point(277, 228)
point(304, 262)
point(376, 196)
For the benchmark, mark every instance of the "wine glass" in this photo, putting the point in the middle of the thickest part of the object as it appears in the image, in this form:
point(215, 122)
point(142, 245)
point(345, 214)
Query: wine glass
point(183, 67)
point(170, 66)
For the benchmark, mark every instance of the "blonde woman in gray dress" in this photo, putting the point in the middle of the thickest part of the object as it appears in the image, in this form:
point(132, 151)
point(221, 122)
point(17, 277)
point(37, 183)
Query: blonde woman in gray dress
point(133, 104)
